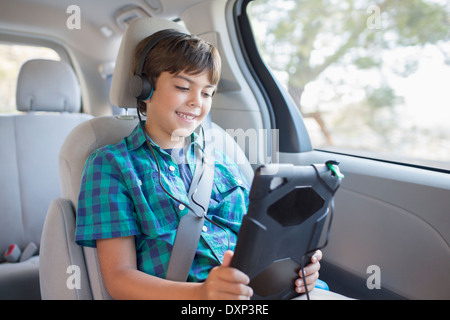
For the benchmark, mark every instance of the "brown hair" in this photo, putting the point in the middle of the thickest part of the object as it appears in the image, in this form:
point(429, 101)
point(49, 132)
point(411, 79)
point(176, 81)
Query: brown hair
point(177, 53)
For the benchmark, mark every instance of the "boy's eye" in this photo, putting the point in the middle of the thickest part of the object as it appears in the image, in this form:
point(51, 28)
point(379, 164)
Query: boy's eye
point(182, 88)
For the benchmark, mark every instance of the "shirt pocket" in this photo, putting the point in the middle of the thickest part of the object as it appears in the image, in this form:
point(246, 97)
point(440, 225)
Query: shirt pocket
point(225, 185)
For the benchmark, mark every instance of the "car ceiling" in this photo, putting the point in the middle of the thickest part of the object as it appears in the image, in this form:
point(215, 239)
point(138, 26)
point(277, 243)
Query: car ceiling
point(47, 19)
point(91, 52)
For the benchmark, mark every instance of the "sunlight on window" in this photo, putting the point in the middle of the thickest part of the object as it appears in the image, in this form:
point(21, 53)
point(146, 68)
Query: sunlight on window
point(371, 80)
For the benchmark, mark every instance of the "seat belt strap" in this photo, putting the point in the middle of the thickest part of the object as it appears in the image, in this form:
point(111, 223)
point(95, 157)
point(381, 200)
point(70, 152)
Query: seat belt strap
point(191, 224)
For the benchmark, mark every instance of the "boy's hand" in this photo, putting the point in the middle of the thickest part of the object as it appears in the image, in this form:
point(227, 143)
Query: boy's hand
point(226, 283)
point(311, 274)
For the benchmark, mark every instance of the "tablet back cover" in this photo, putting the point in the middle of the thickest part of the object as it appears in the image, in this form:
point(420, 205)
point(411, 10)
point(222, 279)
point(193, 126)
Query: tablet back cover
point(287, 214)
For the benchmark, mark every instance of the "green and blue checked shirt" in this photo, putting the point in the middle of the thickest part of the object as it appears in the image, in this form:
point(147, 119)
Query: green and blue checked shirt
point(120, 196)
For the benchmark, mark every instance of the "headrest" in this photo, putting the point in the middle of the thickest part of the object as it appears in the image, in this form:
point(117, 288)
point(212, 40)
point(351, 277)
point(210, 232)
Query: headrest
point(138, 30)
point(47, 85)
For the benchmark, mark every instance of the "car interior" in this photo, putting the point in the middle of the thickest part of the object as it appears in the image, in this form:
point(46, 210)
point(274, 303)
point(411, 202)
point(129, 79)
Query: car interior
point(390, 234)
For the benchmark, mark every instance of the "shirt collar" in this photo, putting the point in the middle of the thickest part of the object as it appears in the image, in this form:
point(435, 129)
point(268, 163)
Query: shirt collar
point(137, 138)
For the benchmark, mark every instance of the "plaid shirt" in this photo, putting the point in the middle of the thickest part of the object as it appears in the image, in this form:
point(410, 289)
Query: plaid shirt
point(120, 196)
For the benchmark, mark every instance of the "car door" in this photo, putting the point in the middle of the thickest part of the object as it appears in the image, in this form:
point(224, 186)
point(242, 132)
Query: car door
point(363, 84)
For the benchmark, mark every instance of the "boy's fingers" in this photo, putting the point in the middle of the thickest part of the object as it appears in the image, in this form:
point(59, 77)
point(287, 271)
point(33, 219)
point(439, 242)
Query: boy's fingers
point(311, 278)
point(244, 291)
point(317, 256)
point(233, 275)
point(226, 273)
point(310, 270)
point(227, 258)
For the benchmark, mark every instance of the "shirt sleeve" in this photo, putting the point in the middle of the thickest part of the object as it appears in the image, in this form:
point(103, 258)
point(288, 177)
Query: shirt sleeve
point(105, 208)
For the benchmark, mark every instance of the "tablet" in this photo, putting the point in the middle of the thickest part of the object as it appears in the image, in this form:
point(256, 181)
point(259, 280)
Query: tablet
point(288, 219)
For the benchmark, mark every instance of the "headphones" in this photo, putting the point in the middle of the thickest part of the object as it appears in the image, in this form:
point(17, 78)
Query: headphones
point(139, 84)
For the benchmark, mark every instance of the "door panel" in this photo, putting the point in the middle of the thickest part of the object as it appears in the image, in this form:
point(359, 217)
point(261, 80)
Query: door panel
point(391, 216)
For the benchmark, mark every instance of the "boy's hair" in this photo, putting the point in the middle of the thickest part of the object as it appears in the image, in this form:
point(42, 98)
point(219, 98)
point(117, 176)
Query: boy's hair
point(175, 54)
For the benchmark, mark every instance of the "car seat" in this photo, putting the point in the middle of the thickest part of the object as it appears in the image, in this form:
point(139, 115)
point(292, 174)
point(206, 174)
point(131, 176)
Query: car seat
point(48, 95)
point(67, 270)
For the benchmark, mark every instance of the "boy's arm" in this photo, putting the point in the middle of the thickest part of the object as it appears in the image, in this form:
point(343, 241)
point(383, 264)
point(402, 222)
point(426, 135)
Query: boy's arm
point(117, 258)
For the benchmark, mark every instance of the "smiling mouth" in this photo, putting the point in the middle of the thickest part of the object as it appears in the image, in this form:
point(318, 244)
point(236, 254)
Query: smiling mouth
point(186, 116)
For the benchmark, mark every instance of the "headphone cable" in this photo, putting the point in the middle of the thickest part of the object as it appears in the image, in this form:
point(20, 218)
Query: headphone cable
point(196, 189)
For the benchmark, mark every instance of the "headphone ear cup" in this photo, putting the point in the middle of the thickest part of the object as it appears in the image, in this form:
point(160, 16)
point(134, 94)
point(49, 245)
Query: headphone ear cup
point(140, 87)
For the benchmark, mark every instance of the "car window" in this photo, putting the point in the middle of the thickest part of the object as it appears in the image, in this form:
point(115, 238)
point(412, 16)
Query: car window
point(12, 56)
point(371, 78)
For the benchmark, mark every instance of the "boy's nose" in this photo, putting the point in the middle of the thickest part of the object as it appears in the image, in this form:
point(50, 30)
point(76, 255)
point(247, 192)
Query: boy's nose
point(195, 100)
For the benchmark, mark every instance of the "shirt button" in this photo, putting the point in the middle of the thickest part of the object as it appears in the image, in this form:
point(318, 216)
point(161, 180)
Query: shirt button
point(239, 181)
point(181, 206)
point(171, 168)
point(204, 229)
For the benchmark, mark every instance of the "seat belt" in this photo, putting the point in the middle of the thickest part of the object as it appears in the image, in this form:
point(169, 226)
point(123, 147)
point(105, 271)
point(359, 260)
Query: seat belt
point(191, 224)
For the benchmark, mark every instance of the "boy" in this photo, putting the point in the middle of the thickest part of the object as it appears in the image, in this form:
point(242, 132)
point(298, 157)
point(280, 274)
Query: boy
point(124, 207)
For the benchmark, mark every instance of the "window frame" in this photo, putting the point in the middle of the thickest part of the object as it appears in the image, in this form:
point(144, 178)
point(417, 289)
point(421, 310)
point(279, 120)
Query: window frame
point(293, 136)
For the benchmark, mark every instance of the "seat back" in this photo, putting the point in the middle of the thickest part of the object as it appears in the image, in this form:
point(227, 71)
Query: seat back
point(48, 94)
point(78, 271)
point(67, 270)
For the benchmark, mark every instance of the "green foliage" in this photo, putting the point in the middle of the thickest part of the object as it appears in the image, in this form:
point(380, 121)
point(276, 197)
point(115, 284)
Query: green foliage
point(305, 39)
point(314, 35)
point(381, 97)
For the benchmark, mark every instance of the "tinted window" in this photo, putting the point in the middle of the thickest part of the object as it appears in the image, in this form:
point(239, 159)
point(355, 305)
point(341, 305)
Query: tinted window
point(371, 78)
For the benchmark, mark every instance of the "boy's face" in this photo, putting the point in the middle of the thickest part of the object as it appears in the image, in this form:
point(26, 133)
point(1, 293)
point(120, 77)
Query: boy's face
point(178, 105)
